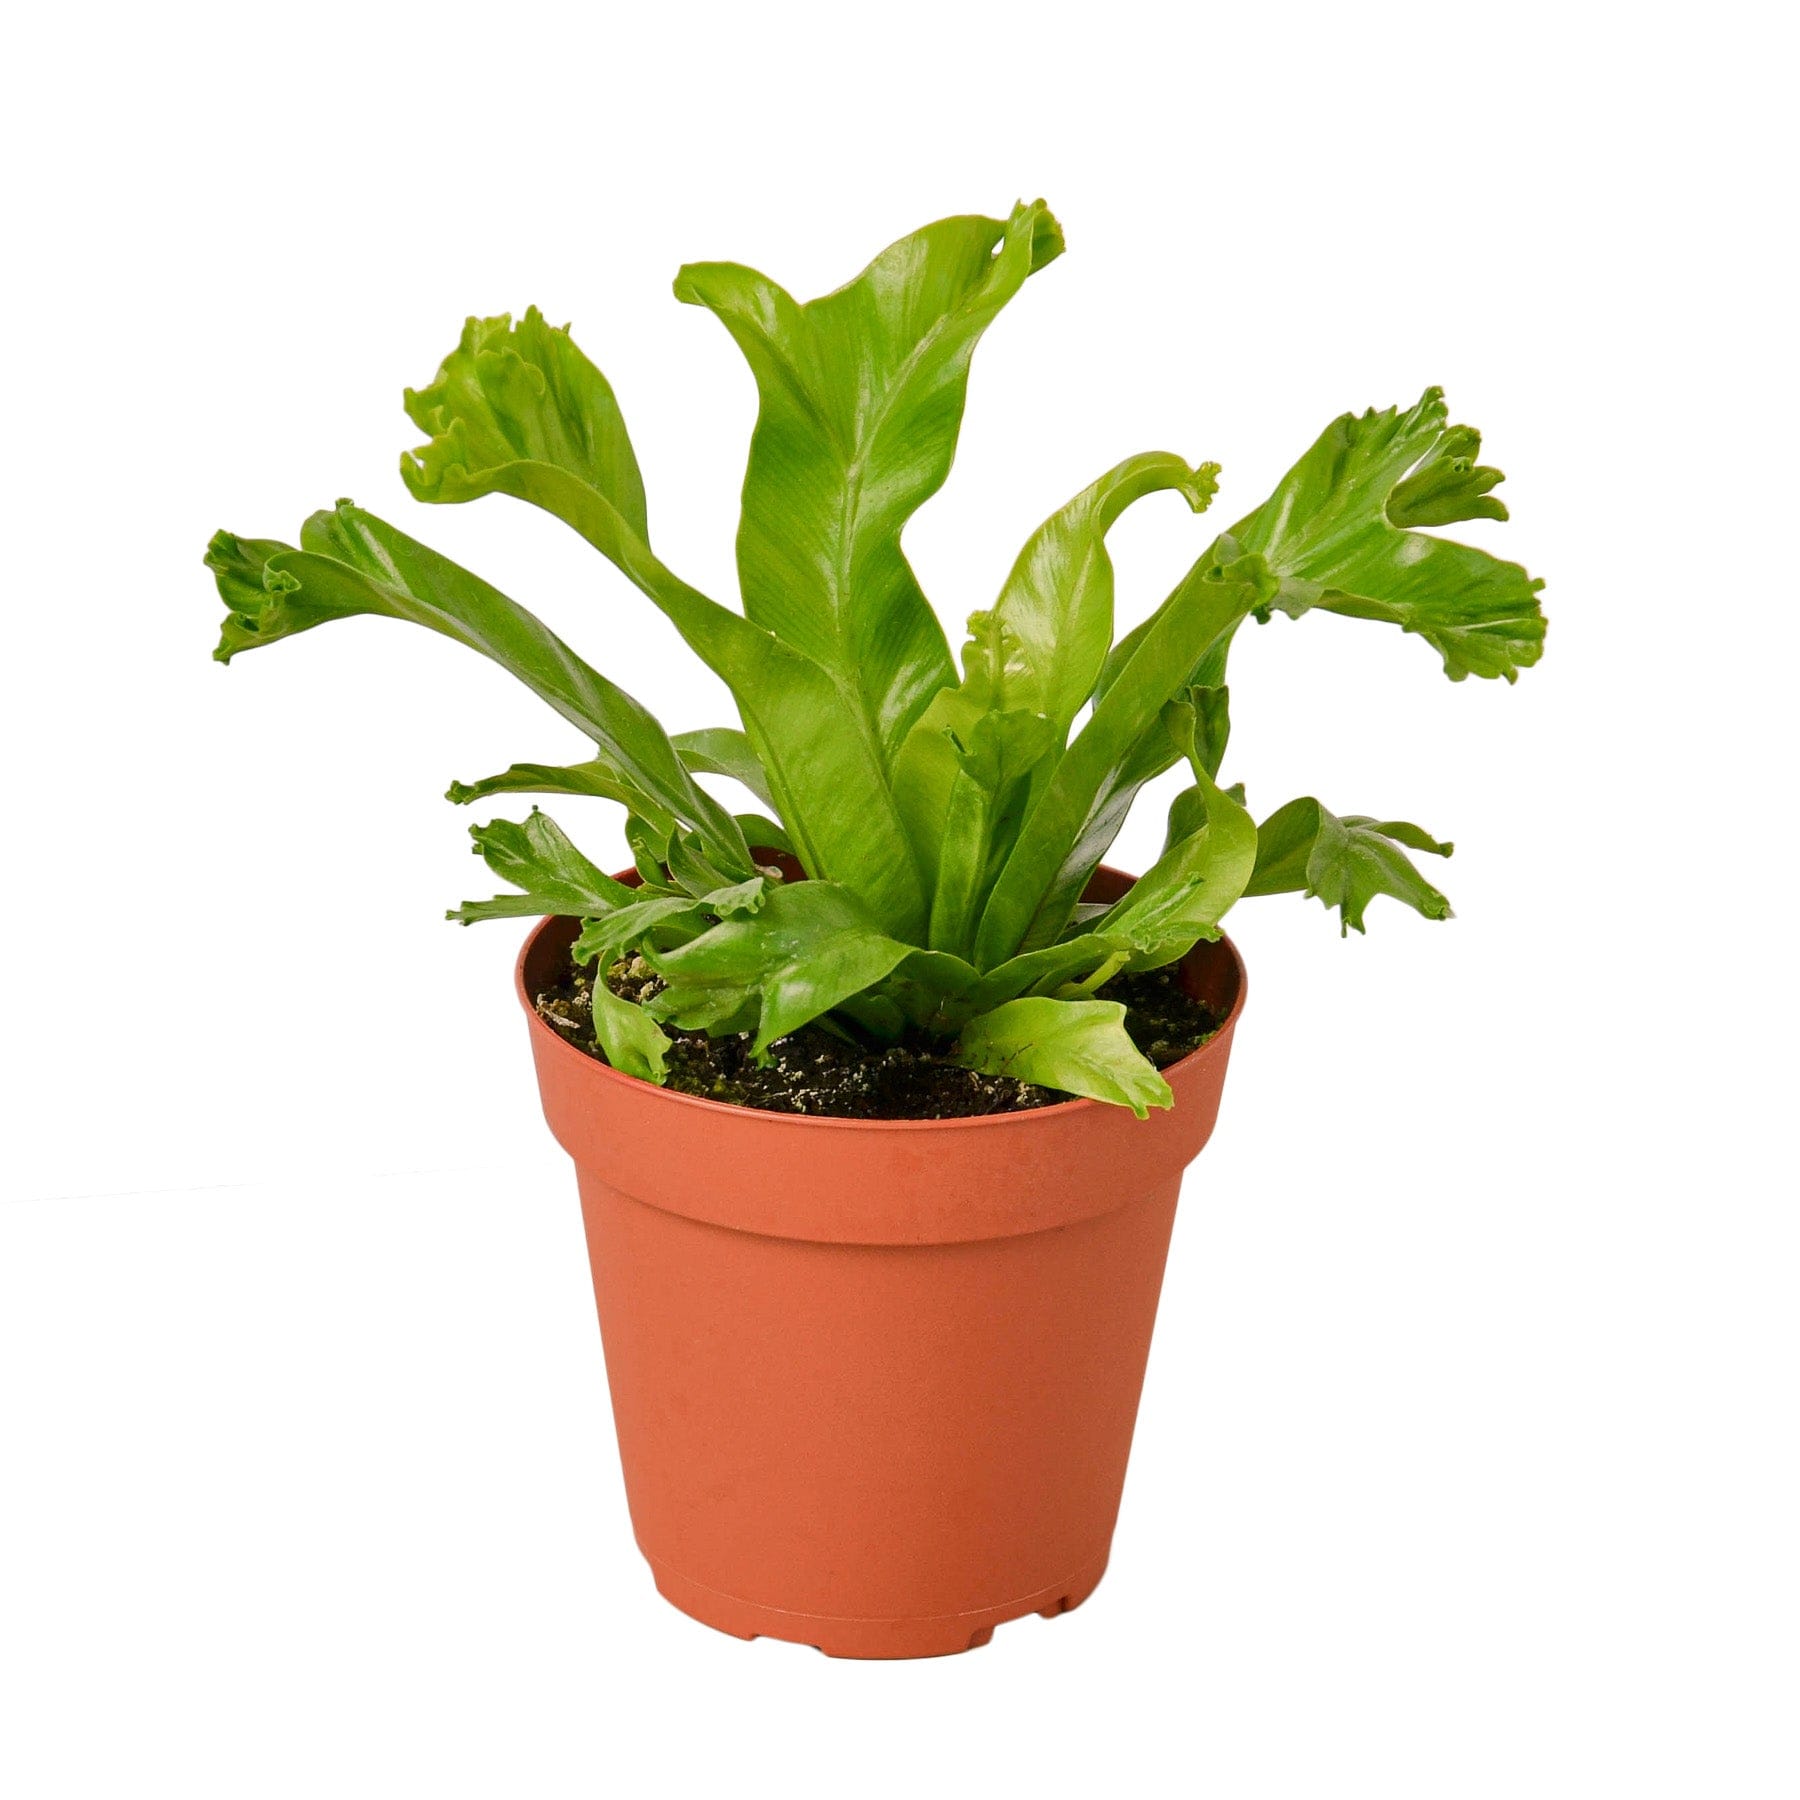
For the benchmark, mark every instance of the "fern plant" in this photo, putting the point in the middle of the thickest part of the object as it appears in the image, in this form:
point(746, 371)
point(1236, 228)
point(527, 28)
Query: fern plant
point(947, 821)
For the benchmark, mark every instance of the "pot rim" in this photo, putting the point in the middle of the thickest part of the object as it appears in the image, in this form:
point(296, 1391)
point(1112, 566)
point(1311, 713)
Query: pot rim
point(1217, 1044)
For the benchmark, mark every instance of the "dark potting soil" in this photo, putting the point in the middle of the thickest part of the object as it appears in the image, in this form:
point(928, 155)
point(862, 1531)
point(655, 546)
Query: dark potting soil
point(815, 1071)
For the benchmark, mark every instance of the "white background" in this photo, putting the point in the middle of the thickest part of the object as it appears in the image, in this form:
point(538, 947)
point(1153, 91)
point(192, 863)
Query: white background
point(1467, 1463)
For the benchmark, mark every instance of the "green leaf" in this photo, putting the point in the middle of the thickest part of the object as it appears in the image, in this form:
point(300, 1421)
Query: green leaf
point(523, 394)
point(1211, 727)
point(1202, 727)
point(716, 751)
point(924, 772)
point(261, 603)
point(1344, 862)
point(1041, 646)
point(724, 750)
point(1086, 800)
point(1038, 649)
point(649, 843)
point(824, 767)
point(350, 562)
point(1209, 670)
point(689, 868)
point(1184, 894)
point(1077, 1046)
point(861, 399)
point(633, 1041)
point(824, 775)
point(597, 779)
point(1046, 972)
point(659, 917)
point(631, 1038)
point(536, 856)
point(811, 945)
point(1335, 524)
point(763, 834)
point(1332, 533)
point(1448, 485)
point(1002, 750)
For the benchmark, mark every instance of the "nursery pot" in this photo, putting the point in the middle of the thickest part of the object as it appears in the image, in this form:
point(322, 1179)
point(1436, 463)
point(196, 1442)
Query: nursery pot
point(874, 1381)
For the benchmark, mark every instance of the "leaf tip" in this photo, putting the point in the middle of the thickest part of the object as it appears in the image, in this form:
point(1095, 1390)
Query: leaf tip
point(1161, 1096)
point(1204, 488)
point(1047, 239)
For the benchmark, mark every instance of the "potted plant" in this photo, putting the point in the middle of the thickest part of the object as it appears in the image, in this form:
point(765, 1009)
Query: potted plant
point(880, 1098)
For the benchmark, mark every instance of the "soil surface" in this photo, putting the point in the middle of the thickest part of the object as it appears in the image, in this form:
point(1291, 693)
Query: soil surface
point(815, 1071)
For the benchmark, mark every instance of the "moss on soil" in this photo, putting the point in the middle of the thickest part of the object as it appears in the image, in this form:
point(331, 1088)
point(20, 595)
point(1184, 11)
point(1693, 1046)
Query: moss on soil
point(815, 1071)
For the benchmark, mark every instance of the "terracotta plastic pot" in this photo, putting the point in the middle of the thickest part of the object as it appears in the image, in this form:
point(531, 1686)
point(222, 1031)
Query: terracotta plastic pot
point(874, 1382)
